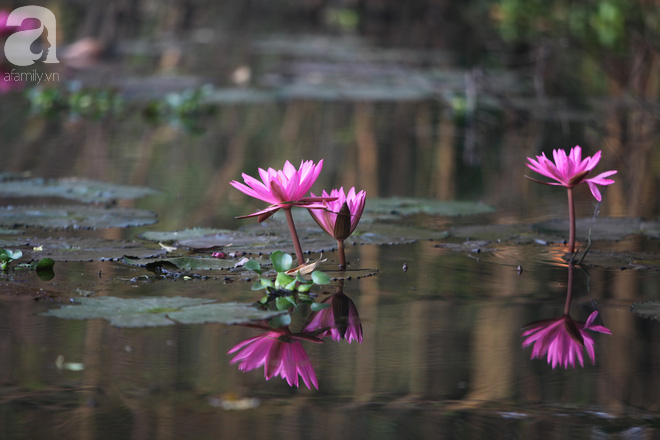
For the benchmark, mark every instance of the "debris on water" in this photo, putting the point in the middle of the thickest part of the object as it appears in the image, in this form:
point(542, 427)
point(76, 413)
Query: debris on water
point(71, 366)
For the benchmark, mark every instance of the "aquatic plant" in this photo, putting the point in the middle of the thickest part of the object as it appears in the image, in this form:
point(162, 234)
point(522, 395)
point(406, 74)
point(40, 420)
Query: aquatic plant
point(341, 320)
point(290, 288)
point(340, 216)
point(284, 189)
point(280, 353)
point(7, 256)
point(562, 339)
point(569, 171)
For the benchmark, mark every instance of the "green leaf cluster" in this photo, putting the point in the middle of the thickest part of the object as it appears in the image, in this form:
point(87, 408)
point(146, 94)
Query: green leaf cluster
point(7, 256)
point(286, 291)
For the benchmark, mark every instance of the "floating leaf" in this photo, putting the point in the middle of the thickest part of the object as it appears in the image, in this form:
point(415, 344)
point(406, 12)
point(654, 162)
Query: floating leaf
point(183, 235)
point(131, 312)
point(603, 228)
point(74, 216)
point(253, 265)
point(402, 206)
point(83, 249)
point(83, 190)
point(320, 278)
point(45, 264)
point(222, 313)
point(183, 263)
point(281, 261)
point(648, 309)
point(160, 311)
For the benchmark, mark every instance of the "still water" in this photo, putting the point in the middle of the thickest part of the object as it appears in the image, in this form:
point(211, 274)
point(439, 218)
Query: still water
point(441, 354)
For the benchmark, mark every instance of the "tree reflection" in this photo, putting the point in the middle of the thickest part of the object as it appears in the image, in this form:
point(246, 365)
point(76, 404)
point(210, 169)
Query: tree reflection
point(562, 339)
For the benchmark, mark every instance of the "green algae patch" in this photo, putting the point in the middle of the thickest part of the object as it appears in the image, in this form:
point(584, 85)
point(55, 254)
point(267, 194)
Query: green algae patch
point(160, 311)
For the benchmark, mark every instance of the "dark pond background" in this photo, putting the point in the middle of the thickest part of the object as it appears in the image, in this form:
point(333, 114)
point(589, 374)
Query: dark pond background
point(427, 99)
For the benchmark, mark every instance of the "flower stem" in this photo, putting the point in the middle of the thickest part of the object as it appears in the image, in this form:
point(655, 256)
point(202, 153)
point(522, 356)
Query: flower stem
point(342, 254)
point(571, 221)
point(294, 235)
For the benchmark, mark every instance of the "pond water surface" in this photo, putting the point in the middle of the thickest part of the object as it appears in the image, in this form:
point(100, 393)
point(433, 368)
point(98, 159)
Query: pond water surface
point(441, 298)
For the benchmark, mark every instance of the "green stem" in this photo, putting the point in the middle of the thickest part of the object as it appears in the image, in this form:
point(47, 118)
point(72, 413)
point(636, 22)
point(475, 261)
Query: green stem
point(294, 236)
point(342, 254)
point(571, 220)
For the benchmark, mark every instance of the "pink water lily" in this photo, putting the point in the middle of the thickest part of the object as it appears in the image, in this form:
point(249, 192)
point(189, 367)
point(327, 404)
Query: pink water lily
point(571, 170)
point(340, 216)
point(280, 353)
point(340, 320)
point(563, 339)
point(283, 188)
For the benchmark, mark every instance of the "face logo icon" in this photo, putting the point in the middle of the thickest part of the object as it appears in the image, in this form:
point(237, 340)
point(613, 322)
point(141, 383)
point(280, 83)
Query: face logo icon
point(17, 46)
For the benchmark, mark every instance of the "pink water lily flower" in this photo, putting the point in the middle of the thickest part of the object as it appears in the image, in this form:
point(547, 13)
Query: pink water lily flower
point(283, 188)
point(571, 170)
point(280, 353)
point(327, 218)
point(562, 339)
point(340, 320)
point(340, 216)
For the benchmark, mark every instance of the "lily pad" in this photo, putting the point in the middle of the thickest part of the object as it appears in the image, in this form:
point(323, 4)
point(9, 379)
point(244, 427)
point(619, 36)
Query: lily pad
point(160, 311)
point(402, 206)
point(83, 190)
point(183, 235)
point(603, 228)
point(184, 263)
point(222, 313)
point(81, 249)
point(74, 216)
point(648, 309)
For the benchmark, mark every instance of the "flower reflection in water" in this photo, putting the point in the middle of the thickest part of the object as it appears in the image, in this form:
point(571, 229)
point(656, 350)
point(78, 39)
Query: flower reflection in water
point(281, 353)
point(340, 320)
point(563, 339)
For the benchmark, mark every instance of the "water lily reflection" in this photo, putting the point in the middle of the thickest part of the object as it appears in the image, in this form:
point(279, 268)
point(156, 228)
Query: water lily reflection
point(340, 320)
point(563, 339)
point(280, 353)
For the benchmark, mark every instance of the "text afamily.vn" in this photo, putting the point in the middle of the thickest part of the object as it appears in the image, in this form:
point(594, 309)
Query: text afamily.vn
point(33, 76)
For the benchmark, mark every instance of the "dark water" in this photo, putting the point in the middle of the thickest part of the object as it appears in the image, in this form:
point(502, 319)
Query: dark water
point(391, 111)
